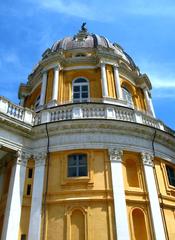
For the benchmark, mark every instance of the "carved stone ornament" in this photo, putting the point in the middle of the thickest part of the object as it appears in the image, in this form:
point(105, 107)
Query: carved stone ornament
point(147, 158)
point(22, 157)
point(115, 155)
point(40, 158)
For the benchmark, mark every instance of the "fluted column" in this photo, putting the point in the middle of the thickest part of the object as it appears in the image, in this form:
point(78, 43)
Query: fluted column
point(43, 88)
point(104, 80)
point(55, 84)
point(14, 200)
point(121, 218)
point(37, 196)
point(149, 102)
point(153, 197)
point(117, 82)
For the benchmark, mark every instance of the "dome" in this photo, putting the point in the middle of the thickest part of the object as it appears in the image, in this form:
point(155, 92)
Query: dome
point(85, 40)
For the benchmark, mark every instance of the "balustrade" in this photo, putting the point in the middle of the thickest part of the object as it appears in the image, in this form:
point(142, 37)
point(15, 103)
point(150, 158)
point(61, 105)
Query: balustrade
point(79, 111)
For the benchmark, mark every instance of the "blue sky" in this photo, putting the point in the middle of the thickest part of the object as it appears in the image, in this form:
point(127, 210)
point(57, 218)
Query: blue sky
point(144, 28)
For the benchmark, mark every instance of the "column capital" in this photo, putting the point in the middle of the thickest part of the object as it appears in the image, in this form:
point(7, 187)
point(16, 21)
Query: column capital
point(40, 158)
point(102, 63)
point(22, 157)
point(115, 65)
point(147, 158)
point(115, 155)
point(57, 67)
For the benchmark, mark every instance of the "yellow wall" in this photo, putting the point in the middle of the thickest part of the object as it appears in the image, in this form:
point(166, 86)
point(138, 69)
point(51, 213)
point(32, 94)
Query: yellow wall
point(49, 87)
point(93, 75)
point(82, 201)
point(30, 100)
point(110, 81)
point(83, 206)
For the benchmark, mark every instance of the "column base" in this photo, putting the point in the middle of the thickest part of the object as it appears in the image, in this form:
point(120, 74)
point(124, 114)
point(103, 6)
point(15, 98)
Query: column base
point(52, 103)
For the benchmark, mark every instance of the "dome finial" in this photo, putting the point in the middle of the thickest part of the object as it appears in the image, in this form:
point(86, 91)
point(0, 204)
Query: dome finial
point(83, 28)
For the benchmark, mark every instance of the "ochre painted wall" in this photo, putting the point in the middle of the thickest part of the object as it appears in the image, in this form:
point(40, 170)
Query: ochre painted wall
point(30, 100)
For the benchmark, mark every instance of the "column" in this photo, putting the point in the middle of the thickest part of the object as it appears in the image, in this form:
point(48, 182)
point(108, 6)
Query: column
point(153, 197)
point(14, 200)
point(37, 196)
point(149, 102)
point(117, 82)
point(55, 84)
point(43, 88)
point(104, 80)
point(1, 180)
point(121, 218)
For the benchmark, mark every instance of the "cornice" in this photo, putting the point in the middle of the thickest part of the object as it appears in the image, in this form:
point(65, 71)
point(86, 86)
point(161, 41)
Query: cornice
point(110, 127)
point(15, 125)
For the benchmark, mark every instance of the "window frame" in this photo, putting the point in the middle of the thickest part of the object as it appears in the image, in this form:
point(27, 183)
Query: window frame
point(127, 96)
point(37, 102)
point(77, 167)
point(170, 178)
point(75, 83)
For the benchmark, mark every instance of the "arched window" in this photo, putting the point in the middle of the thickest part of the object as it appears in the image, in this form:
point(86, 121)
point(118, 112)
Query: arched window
point(127, 96)
point(80, 90)
point(77, 165)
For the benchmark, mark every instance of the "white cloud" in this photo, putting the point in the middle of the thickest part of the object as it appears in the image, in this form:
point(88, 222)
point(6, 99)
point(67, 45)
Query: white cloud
point(86, 10)
point(101, 11)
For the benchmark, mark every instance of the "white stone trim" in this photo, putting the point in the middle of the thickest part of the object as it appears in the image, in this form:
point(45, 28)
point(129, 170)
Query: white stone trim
point(37, 195)
point(55, 87)
point(149, 102)
point(117, 83)
point(79, 67)
point(43, 89)
point(104, 80)
point(121, 218)
point(158, 226)
point(14, 200)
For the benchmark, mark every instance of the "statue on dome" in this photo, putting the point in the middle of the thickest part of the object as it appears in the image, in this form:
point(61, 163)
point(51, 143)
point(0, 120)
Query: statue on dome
point(83, 28)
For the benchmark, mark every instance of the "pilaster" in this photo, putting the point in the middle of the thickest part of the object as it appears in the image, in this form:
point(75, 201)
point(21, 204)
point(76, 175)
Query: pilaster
point(121, 218)
point(104, 80)
point(37, 195)
point(15, 196)
point(149, 102)
point(158, 226)
point(43, 88)
point(117, 83)
point(55, 84)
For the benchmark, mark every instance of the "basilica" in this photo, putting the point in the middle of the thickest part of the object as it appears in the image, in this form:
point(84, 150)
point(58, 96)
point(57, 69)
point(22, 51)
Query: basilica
point(83, 156)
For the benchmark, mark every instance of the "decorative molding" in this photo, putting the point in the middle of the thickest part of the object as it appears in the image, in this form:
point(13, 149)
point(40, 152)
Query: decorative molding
point(40, 158)
point(115, 155)
point(147, 158)
point(22, 157)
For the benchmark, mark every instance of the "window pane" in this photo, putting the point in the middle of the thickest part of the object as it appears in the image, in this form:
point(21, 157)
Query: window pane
point(76, 95)
point(72, 172)
point(30, 173)
point(72, 162)
point(85, 88)
point(80, 80)
point(171, 175)
point(83, 171)
point(85, 95)
point(82, 161)
point(76, 88)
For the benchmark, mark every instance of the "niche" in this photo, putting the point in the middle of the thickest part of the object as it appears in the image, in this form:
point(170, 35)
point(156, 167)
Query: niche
point(77, 225)
point(139, 225)
point(132, 173)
